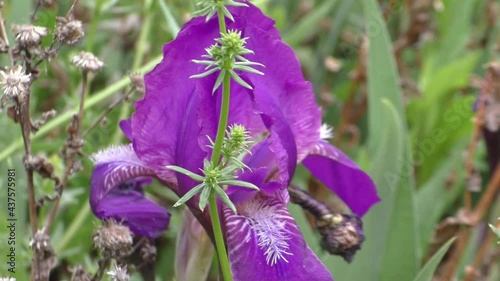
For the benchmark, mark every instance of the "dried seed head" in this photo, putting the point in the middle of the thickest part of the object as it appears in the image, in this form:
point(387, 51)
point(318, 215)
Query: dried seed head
point(14, 82)
point(79, 274)
point(27, 35)
point(113, 239)
point(87, 62)
point(40, 241)
point(342, 234)
point(68, 31)
point(119, 273)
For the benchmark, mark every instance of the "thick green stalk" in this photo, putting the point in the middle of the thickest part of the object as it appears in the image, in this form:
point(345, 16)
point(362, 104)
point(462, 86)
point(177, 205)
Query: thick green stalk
point(219, 239)
point(221, 130)
point(223, 119)
point(214, 213)
point(222, 22)
point(224, 112)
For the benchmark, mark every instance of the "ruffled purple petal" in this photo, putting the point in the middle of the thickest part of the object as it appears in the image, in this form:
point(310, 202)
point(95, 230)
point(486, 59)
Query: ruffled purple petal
point(165, 125)
point(340, 174)
point(282, 92)
point(255, 16)
point(116, 192)
point(251, 14)
point(264, 243)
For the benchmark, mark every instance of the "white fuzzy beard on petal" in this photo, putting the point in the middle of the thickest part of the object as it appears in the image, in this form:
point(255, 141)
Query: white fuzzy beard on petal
point(269, 224)
point(115, 153)
point(325, 132)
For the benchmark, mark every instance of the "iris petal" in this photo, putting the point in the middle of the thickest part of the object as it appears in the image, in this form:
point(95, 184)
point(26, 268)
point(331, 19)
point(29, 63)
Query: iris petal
point(264, 243)
point(340, 174)
point(116, 192)
point(126, 126)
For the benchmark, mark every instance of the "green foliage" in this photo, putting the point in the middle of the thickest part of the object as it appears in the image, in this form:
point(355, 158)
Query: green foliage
point(428, 270)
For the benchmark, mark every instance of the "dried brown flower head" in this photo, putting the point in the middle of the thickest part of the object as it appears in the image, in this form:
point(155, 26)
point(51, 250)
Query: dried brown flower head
point(87, 62)
point(14, 82)
point(68, 31)
point(119, 273)
point(27, 35)
point(113, 239)
point(40, 241)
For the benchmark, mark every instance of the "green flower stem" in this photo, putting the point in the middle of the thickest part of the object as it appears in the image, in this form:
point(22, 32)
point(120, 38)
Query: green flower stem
point(223, 119)
point(219, 240)
point(221, 130)
point(214, 213)
point(222, 22)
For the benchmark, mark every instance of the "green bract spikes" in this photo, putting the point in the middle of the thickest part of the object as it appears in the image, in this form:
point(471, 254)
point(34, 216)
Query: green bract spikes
point(236, 142)
point(209, 8)
point(226, 56)
point(214, 178)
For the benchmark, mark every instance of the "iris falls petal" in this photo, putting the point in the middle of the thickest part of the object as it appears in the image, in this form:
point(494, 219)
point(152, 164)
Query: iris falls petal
point(117, 192)
point(340, 174)
point(265, 243)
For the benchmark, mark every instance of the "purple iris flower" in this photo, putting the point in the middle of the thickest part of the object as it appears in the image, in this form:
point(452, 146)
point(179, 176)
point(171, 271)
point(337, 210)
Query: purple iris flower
point(170, 127)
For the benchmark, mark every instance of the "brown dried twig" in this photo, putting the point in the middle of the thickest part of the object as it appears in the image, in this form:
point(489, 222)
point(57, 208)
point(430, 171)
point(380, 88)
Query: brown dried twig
point(474, 217)
point(472, 270)
point(72, 148)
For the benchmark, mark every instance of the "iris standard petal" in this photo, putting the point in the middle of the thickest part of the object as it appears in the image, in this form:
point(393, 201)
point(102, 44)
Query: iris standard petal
point(255, 16)
point(165, 125)
point(264, 243)
point(116, 192)
point(340, 174)
point(282, 92)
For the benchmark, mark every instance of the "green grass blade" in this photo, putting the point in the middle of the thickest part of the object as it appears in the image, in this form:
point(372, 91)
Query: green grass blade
point(172, 22)
point(428, 270)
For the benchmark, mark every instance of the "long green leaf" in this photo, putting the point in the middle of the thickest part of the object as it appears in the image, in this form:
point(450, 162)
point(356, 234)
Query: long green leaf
point(428, 270)
point(437, 194)
point(392, 223)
